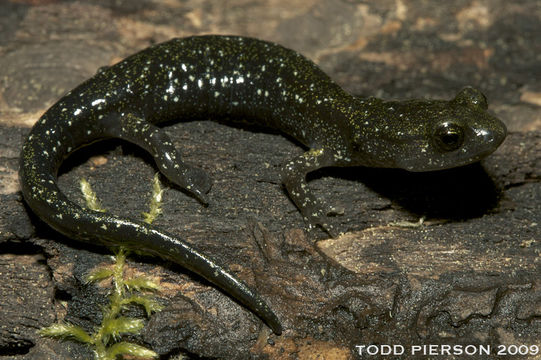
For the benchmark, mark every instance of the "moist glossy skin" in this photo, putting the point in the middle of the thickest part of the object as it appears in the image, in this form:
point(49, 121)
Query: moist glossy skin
point(244, 79)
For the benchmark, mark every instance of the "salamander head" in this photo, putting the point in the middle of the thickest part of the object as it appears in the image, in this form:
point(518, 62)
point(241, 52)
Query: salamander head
point(430, 135)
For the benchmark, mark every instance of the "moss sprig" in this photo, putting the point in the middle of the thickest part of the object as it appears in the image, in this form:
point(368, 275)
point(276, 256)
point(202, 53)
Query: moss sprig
point(155, 201)
point(126, 291)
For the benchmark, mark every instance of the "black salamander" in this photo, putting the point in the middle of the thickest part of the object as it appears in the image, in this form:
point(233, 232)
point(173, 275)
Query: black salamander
point(239, 78)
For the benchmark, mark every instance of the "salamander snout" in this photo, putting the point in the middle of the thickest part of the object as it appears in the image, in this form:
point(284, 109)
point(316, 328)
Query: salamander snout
point(493, 135)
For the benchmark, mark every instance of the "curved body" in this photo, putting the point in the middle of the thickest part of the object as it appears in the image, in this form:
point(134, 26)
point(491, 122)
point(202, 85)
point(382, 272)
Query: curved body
point(238, 78)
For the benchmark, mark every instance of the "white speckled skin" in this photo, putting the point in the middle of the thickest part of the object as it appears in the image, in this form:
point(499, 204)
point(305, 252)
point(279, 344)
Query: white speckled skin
point(239, 78)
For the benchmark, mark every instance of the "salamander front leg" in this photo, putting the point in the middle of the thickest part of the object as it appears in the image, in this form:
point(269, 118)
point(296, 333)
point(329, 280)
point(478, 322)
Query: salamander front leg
point(294, 179)
point(135, 129)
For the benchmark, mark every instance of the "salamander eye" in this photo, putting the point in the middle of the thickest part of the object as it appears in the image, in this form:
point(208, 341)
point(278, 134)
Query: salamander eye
point(449, 136)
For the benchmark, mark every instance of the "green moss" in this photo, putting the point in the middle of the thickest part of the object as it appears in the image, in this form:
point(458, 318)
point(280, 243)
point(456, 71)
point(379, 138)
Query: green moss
point(126, 291)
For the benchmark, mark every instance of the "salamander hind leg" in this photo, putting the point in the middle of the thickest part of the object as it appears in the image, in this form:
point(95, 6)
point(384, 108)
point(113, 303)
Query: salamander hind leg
point(137, 130)
point(294, 179)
